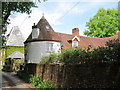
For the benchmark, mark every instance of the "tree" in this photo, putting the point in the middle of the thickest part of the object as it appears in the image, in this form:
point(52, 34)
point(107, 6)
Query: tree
point(103, 24)
point(8, 8)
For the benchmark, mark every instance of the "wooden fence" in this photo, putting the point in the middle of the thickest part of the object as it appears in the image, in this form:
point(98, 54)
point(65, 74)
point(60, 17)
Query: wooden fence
point(78, 76)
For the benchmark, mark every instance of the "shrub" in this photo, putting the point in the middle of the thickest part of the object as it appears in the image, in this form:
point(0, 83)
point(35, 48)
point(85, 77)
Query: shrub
point(7, 68)
point(71, 55)
point(108, 54)
point(36, 81)
point(45, 84)
point(23, 76)
point(52, 58)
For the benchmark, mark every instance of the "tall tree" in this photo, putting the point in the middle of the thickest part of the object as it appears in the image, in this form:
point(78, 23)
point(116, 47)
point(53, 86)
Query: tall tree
point(103, 24)
point(9, 7)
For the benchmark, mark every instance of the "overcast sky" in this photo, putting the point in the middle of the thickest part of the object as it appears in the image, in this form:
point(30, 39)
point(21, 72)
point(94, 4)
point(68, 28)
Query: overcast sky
point(63, 16)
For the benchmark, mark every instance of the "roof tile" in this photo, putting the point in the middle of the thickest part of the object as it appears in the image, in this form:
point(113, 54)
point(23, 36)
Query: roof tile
point(51, 35)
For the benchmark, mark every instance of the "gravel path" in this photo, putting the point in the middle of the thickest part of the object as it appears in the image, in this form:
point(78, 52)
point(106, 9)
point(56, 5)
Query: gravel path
point(9, 80)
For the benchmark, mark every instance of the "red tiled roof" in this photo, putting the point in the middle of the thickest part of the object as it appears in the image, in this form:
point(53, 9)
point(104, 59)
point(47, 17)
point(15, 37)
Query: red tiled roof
point(64, 39)
point(51, 35)
point(84, 41)
point(44, 33)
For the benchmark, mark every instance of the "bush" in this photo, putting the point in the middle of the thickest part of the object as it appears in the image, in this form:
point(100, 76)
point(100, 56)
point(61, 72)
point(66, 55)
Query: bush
point(52, 58)
point(108, 54)
point(36, 81)
point(72, 55)
point(23, 76)
point(7, 68)
point(45, 84)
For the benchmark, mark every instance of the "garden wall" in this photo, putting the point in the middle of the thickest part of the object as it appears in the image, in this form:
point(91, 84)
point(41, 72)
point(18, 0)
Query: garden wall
point(78, 76)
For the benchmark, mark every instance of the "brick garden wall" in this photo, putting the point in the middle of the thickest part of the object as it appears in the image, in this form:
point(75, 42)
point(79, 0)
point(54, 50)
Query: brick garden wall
point(78, 76)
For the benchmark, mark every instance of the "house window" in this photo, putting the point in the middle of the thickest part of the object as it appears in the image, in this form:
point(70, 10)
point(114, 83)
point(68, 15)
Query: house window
point(74, 43)
point(47, 27)
point(50, 47)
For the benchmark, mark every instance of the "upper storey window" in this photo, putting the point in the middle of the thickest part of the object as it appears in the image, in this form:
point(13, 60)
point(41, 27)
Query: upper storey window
point(47, 27)
point(50, 47)
point(75, 41)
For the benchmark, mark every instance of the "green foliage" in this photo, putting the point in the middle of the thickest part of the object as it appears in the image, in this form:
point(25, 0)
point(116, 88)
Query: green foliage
point(9, 8)
point(22, 7)
point(52, 58)
point(7, 68)
point(103, 24)
point(36, 81)
point(107, 54)
point(10, 49)
point(23, 76)
point(44, 60)
point(45, 84)
point(0, 21)
point(71, 56)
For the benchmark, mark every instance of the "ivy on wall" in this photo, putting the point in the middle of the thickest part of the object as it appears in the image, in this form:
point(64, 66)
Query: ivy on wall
point(10, 49)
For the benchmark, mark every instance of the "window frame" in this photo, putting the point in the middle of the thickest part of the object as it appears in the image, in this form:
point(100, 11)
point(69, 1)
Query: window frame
point(50, 47)
point(74, 43)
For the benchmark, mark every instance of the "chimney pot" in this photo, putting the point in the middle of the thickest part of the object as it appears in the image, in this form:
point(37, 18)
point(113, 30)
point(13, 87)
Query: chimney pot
point(34, 26)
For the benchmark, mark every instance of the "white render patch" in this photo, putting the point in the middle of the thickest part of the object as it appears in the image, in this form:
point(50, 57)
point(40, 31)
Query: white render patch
point(34, 51)
point(15, 37)
point(35, 33)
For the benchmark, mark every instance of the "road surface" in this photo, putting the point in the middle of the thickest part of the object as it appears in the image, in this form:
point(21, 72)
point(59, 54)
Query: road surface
point(9, 81)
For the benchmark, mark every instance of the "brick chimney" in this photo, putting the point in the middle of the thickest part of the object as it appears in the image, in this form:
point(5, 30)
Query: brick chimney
point(118, 33)
point(75, 32)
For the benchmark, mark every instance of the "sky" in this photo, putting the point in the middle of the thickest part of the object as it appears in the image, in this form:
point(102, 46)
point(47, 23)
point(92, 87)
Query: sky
point(63, 15)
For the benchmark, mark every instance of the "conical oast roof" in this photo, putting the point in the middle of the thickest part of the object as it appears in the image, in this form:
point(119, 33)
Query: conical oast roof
point(46, 32)
point(15, 37)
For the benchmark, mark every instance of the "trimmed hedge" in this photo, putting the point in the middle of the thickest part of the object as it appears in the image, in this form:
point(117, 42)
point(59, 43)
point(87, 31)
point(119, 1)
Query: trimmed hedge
point(108, 54)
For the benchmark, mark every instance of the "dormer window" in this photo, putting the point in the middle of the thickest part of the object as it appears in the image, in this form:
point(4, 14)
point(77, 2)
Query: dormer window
point(74, 43)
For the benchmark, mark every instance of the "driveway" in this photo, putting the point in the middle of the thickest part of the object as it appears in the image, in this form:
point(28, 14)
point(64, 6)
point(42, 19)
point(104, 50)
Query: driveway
point(11, 81)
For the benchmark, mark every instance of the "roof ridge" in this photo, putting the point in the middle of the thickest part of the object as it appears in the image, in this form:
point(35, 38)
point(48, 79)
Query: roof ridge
point(64, 33)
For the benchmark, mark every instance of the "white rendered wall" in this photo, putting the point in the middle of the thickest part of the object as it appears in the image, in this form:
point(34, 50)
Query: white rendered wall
point(35, 33)
point(36, 50)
